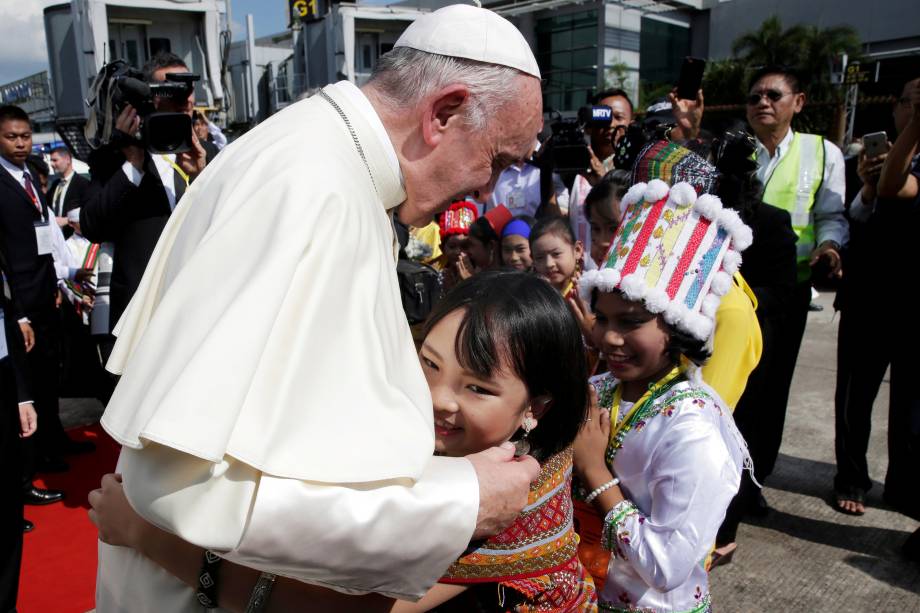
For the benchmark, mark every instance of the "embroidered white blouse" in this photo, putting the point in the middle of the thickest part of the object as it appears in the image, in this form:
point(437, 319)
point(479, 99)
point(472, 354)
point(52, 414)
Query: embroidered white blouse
point(679, 467)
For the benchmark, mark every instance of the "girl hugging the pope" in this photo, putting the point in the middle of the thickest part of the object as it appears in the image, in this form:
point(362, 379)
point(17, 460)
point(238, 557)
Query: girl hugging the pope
point(491, 354)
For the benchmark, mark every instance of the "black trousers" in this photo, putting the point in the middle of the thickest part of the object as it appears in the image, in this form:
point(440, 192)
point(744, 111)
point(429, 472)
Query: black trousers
point(787, 341)
point(756, 417)
point(10, 490)
point(868, 342)
point(44, 373)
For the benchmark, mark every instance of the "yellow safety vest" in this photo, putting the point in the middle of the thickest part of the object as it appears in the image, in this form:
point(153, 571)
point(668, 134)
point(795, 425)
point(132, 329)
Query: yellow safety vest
point(793, 186)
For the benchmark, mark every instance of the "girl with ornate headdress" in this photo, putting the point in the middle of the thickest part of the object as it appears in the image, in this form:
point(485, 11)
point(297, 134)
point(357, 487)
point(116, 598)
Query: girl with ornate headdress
point(659, 457)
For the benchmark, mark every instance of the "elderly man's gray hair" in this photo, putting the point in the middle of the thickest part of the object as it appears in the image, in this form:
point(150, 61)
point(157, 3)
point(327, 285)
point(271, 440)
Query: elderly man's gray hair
point(407, 75)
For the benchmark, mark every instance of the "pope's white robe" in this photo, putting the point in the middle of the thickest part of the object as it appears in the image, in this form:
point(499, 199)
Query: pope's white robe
point(271, 405)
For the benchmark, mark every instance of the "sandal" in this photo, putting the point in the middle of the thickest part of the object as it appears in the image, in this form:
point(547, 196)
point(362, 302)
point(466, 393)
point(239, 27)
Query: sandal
point(851, 495)
point(721, 558)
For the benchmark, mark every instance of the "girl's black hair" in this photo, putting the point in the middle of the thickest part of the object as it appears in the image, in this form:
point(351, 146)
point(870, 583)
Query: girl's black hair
point(680, 343)
point(519, 319)
point(482, 230)
point(552, 225)
point(612, 185)
point(738, 186)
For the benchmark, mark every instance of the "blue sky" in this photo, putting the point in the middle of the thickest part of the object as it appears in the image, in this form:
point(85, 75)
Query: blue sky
point(268, 16)
point(22, 31)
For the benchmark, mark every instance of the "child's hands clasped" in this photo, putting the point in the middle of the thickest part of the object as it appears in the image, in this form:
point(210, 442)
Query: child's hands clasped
point(591, 442)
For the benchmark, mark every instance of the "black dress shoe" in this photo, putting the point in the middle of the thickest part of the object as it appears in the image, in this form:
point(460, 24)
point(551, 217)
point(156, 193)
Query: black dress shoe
point(911, 548)
point(51, 464)
point(27, 526)
point(37, 496)
point(905, 505)
point(72, 447)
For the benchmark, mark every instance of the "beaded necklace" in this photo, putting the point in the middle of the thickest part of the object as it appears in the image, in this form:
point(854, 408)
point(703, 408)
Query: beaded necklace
point(641, 408)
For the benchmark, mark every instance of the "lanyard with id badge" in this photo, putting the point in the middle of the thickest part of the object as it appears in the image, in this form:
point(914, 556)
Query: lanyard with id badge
point(43, 236)
point(42, 227)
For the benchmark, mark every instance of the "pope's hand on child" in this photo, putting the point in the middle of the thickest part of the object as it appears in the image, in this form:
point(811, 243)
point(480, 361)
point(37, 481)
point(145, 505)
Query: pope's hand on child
point(504, 484)
point(591, 444)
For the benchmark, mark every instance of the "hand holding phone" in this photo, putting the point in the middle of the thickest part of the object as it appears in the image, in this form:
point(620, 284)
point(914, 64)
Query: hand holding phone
point(691, 78)
point(875, 144)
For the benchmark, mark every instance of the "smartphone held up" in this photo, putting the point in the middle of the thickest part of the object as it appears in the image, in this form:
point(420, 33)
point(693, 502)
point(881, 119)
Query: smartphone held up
point(691, 78)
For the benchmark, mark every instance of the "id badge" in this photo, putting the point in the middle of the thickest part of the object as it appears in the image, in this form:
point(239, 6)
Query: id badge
point(43, 237)
point(516, 199)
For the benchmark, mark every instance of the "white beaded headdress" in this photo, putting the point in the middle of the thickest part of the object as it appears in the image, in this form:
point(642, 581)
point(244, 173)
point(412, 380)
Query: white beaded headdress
point(674, 251)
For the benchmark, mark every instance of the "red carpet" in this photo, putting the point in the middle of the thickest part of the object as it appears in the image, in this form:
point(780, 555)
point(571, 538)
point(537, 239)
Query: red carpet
point(59, 557)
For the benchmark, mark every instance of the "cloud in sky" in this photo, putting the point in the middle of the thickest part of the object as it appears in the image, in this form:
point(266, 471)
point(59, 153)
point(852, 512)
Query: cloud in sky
point(22, 31)
point(22, 39)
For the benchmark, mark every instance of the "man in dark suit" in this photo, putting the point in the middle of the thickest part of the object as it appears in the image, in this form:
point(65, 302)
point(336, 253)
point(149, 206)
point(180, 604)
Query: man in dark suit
point(68, 190)
point(17, 421)
point(26, 237)
point(134, 191)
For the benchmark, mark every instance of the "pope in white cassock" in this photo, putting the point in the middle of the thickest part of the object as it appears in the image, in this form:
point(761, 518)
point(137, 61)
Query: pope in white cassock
point(271, 406)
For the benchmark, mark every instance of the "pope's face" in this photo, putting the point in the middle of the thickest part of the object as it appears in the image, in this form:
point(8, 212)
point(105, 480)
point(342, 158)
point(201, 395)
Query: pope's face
point(469, 160)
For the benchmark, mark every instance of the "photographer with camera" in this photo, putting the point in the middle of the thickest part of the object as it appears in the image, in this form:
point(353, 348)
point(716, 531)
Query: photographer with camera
point(136, 183)
point(603, 135)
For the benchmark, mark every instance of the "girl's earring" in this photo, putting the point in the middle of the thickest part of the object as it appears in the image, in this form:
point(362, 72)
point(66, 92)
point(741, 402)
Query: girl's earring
point(522, 445)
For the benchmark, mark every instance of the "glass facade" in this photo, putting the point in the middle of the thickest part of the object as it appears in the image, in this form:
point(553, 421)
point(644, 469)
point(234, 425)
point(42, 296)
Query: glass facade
point(567, 52)
point(662, 48)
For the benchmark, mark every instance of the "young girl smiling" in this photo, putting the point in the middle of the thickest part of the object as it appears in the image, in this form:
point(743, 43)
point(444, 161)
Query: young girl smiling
point(516, 243)
point(484, 356)
point(660, 457)
point(556, 254)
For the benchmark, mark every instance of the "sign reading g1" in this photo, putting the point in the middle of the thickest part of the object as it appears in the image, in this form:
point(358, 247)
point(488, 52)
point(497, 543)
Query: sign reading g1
point(306, 10)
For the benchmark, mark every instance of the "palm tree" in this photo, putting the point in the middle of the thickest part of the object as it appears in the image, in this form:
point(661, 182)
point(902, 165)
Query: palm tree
point(770, 44)
point(811, 50)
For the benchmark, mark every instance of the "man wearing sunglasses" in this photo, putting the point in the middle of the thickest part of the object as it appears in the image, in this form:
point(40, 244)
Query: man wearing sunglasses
point(804, 175)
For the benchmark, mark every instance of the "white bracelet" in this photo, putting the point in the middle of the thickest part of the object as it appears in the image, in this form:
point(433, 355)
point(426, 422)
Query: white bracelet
point(590, 497)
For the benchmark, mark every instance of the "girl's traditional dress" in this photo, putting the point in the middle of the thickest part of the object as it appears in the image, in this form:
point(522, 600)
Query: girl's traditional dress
point(676, 450)
point(534, 561)
point(676, 446)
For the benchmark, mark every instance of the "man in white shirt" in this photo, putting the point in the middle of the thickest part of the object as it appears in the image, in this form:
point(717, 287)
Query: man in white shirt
point(518, 188)
point(804, 175)
point(271, 405)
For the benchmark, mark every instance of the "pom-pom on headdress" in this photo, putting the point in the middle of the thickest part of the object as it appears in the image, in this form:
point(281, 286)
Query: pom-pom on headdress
point(458, 218)
point(676, 252)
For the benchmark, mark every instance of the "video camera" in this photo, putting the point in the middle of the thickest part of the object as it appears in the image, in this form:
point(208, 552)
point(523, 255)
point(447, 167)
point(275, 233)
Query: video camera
point(567, 147)
point(117, 85)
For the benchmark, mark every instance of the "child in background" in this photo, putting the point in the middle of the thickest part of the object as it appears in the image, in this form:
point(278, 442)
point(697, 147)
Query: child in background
point(556, 254)
point(603, 211)
point(485, 238)
point(454, 263)
point(86, 253)
point(660, 457)
point(516, 243)
point(491, 358)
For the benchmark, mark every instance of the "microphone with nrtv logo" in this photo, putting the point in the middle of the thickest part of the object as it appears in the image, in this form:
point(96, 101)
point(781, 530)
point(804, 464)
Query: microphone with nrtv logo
point(601, 115)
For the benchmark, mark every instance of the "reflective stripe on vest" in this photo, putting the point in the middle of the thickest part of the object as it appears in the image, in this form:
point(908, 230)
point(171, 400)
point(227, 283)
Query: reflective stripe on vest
point(793, 186)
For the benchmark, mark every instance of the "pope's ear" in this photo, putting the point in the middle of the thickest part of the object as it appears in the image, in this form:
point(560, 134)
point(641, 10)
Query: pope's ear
point(443, 109)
